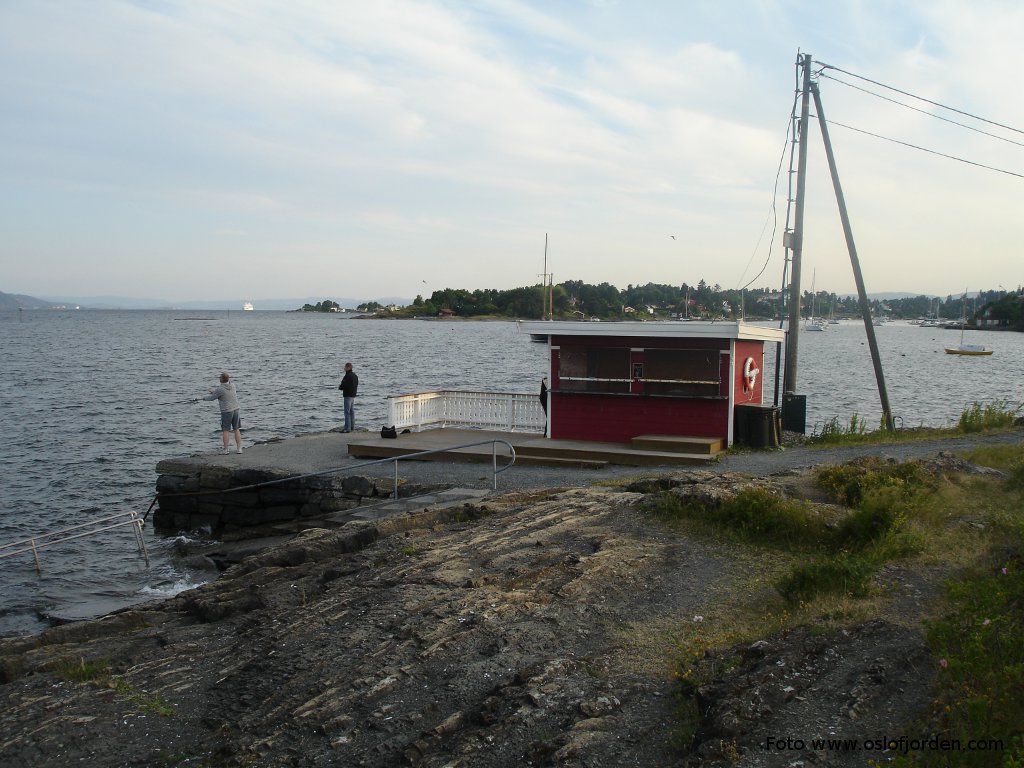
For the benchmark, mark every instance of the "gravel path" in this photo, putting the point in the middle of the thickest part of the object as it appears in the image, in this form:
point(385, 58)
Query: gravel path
point(521, 478)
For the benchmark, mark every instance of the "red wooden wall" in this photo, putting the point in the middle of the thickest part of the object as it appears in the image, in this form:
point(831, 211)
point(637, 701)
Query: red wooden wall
point(618, 418)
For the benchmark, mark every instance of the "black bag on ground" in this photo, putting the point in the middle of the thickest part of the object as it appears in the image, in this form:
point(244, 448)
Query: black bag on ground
point(389, 432)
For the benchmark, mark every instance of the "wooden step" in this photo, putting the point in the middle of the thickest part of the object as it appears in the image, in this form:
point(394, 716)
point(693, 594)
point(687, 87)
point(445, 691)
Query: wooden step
point(677, 444)
point(480, 454)
point(610, 453)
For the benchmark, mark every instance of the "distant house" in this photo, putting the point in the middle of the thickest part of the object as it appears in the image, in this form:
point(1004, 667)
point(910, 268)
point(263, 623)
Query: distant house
point(446, 313)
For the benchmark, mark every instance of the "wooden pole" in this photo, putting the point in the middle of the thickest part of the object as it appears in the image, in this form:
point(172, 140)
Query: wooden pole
point(865, 308)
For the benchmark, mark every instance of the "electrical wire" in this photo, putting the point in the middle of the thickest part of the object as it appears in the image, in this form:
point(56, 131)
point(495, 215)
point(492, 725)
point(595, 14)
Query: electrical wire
point(825, 66)
point(922, 111)
point(772, 210)
point(929, 151)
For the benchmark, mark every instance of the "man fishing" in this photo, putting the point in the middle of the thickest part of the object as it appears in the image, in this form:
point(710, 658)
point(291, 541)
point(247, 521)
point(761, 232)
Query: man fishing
point(229, 418)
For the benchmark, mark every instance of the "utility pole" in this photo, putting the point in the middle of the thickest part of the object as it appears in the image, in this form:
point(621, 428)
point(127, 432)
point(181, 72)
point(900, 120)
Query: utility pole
point(792, 419)
point(865, 309)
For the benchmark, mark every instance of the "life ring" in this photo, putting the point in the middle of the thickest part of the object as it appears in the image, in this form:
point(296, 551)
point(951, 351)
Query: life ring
point(749, 374)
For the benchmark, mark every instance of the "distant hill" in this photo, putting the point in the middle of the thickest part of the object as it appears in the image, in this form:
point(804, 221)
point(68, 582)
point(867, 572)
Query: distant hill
point(132, 302)
point(9, 301)
point(883, 296)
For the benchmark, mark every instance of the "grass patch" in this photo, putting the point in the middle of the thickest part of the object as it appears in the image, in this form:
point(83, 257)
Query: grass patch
point(753, 515)
point(97, 672)
point(81, 671)
point(979, 645)
point(968, 525)
point(995, 415)
point(1008, 458)
point(844, 556)
point(999, 414)
point(849, 483)
point(844, 575)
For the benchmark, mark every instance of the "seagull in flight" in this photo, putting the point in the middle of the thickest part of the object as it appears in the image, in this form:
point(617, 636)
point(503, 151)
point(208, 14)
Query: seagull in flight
point(673, 237)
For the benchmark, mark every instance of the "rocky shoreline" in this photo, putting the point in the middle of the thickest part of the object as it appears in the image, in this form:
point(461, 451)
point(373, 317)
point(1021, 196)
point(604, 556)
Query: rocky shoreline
point(538, 627)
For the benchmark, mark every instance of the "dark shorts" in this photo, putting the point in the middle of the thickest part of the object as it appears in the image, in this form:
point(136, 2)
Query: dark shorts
point(229, 421)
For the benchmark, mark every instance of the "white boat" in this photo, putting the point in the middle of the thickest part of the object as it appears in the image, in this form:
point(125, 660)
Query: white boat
point(247, 307)
point(966, 349)
point(812, 324)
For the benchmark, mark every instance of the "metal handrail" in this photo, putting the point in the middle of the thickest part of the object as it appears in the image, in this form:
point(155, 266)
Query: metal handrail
point(495, 470)
point(35, 543)
point(494, 459)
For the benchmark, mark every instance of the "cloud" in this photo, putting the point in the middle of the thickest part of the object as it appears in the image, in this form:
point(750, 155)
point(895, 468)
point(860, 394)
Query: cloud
point(460, 132)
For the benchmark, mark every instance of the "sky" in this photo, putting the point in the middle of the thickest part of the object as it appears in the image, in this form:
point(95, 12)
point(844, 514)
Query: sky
point(251, 148)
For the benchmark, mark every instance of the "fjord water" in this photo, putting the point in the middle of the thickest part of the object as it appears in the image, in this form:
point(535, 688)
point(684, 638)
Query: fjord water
point(90, 401)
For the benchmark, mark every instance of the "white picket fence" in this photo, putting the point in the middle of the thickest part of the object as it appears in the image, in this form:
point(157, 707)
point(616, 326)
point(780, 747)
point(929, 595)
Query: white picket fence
point(505, 411)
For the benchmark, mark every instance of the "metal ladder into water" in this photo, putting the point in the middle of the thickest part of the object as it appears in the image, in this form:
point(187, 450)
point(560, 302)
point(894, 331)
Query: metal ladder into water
point(80, 531)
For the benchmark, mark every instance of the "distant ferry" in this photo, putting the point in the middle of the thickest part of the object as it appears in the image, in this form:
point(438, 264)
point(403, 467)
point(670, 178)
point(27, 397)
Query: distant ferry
point(247, 307)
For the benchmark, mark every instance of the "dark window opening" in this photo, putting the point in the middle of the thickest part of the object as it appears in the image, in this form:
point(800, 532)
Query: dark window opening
point(682, 372)
point(600, 369)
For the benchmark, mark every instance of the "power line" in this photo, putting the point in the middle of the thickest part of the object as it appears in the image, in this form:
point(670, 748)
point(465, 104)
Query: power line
point(825, 66)
point(922, 111)
point(929, 151)
point(772, 207)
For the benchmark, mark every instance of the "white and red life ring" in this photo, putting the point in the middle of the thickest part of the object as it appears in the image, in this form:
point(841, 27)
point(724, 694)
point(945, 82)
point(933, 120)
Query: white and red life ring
point(749, 374)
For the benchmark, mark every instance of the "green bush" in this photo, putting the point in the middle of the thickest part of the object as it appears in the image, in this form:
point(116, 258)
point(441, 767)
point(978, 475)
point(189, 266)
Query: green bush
point(850, 575)
point(875, 518)
point(1015, 473)
point(850, 483)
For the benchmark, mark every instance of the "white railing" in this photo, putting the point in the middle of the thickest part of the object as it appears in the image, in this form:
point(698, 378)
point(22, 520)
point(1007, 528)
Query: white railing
point(507, 411)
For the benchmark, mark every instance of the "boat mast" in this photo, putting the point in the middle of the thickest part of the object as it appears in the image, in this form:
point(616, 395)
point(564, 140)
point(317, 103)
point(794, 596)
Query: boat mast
point(963, 318)
point(543, 281)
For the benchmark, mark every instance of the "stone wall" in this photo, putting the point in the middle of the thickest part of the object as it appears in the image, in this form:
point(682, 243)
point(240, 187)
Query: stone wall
point(193, 497)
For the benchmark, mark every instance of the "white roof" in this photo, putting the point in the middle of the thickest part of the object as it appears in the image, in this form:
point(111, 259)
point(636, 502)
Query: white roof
point(657, 329)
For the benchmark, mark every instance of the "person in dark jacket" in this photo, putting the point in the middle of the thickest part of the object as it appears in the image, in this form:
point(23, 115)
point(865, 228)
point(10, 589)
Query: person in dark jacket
point(544, 401)
point(349, 385)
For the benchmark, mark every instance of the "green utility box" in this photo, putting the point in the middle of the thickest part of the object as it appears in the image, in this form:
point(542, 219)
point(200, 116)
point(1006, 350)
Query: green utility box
point(794, 413)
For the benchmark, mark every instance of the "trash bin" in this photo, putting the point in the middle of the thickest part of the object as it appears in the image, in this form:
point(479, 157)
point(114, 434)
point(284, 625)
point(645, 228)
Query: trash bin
point(741, 425)
point(757, 426)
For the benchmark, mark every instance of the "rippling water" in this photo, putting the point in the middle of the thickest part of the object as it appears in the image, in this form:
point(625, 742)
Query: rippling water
point(91, 401)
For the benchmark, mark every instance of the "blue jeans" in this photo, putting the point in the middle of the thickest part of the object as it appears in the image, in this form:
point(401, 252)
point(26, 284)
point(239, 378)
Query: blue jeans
point(350, 414)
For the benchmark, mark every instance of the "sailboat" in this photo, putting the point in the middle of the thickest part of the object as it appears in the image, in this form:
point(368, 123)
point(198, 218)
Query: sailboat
point(812, 324)
point(547, 295)
point(966, 349)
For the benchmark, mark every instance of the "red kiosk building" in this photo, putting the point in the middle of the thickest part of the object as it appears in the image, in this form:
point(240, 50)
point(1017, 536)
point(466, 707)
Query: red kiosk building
point(611, 382)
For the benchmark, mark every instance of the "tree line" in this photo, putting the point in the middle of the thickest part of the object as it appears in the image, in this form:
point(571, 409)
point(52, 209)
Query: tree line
point(575, 299)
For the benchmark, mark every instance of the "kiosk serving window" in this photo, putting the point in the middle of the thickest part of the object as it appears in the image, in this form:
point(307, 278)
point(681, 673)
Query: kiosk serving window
point(681, 372)
point(594, 369)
